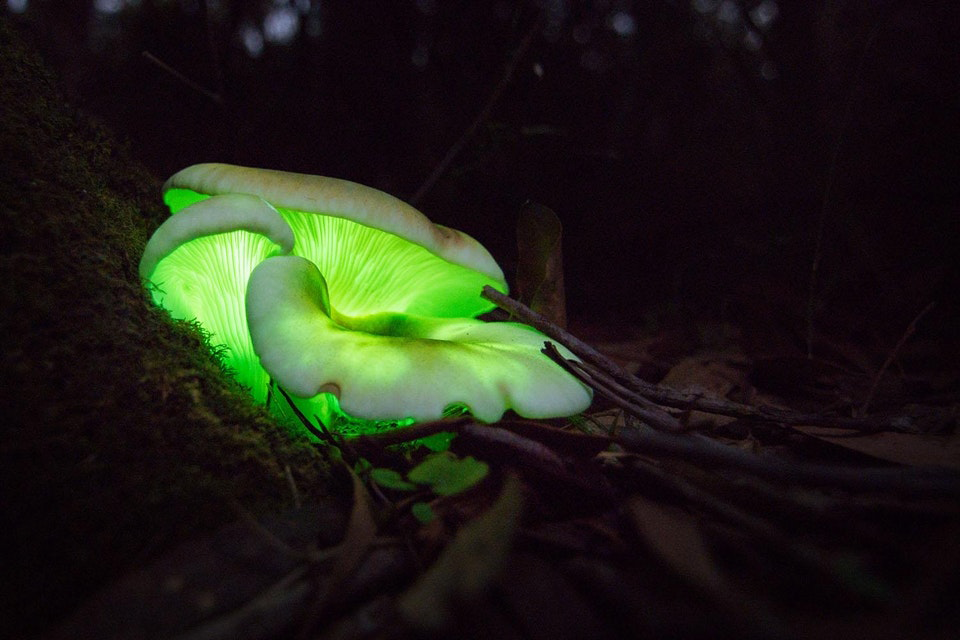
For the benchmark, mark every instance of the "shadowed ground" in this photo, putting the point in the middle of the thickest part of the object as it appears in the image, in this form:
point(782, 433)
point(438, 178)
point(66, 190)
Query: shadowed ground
point(120, 436)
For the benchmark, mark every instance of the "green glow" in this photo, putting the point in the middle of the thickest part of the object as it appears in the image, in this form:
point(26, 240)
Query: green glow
point(178, 199)
point(326, 408)
point(368, 270)
point(380, 321)
point(386, 365)
point(206, 279)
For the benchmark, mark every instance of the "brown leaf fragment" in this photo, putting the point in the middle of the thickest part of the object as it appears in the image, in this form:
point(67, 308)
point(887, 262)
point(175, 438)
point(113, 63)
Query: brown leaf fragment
point(675, 537)
point(348, 555)
point(720, 376)
point(467, 568)
point(375, 615)
point(540, 262)
point(903, 448)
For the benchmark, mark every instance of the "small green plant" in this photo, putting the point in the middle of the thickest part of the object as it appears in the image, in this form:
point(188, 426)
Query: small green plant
point(443, 473)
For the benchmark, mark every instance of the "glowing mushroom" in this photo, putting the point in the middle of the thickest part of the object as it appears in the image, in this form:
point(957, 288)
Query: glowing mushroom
point(396, 365)
point(197, 264)
point(375, 307)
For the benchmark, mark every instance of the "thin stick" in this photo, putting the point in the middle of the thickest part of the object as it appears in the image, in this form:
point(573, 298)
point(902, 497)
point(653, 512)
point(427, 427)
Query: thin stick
point(694, 447)
point(619, 395)
point(321, 432)
point(907, 334)
point(412, 432)
point(672, 398)
point(482, 116)
point(293, 487)
point(578, 347)
point(210, 95)
point(212, 49)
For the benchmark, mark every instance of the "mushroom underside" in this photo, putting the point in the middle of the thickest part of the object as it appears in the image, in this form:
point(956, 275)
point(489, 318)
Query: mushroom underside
point(390, 365)
point(356, 318)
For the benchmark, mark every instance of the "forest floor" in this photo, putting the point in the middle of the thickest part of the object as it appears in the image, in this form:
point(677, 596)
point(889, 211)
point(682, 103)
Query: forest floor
point(722, 484)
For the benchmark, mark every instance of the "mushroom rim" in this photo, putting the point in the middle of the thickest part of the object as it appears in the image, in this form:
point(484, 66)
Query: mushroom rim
point(335, 197)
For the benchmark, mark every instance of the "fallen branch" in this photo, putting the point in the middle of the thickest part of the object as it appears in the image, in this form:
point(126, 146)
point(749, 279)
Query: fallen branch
point(216, 98)
point(695, 447)
point(631, 402)
point(667, 397)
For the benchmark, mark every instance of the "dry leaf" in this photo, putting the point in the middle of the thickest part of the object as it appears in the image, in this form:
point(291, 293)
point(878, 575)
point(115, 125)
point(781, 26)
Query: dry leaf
point(239, 577)
point(467, 567)
point(721, 376)
point(352, 550)
point(540, 262)
point(903, 448)
point(676, 539)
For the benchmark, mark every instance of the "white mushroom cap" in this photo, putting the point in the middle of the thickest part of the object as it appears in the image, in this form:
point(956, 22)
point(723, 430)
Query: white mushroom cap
point(223, 214)
point(198, 262)
point(375, 306)
point(395, 366)
point(342, 199)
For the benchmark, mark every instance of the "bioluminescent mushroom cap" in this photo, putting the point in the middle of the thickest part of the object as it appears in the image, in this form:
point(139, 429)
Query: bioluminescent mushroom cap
point(392, 365)
point(198, 262)
point(393, 284)
point(376, 252)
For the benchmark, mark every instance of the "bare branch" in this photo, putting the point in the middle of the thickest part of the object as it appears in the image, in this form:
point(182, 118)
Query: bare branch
point(677, 399)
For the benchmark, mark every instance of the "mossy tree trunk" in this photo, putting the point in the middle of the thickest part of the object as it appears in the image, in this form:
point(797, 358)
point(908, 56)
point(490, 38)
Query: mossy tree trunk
point(121, 434)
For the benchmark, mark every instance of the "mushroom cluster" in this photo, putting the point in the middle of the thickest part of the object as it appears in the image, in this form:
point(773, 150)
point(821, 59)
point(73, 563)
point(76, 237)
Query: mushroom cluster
point(350, 300)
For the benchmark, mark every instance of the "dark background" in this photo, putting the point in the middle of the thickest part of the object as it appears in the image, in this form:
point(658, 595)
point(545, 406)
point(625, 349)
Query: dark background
point(694, 150)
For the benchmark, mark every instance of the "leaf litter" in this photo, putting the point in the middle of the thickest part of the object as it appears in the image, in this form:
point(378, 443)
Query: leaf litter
point(715, 490)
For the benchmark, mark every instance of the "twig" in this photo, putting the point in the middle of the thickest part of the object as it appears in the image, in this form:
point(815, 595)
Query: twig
point(672, 398)
point(210, 95)
point(212, 49)
point(321, 433)
point(495, 442)
point(269, 398)
point(293, 487)
point(409, 433)
point(701, 449)
point(622, 397)
point(907, 334)
point(578, 347)
point(482, 116)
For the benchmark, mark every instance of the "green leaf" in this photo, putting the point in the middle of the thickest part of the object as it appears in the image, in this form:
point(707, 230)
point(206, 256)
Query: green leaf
point(422, 512)
point(438, 441)
point(390, 479)
point(448, 475)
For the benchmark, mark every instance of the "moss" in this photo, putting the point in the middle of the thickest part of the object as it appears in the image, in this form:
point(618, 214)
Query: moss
point(121, 434)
